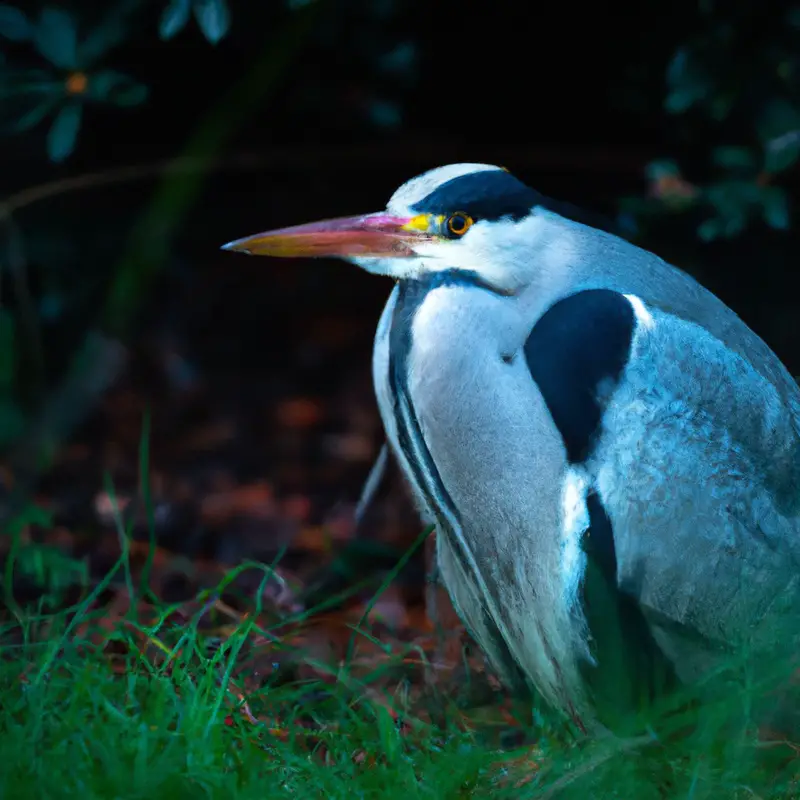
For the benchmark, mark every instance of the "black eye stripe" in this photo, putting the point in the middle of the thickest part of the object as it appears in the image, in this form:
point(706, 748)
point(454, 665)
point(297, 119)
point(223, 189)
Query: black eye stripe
point(495, 194)
point(489, 195)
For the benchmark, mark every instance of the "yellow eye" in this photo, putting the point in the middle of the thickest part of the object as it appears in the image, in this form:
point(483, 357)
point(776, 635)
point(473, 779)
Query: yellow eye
point(459, 223)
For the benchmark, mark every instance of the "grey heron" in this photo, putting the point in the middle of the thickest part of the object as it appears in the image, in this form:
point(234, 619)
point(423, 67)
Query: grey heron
point(610, 455)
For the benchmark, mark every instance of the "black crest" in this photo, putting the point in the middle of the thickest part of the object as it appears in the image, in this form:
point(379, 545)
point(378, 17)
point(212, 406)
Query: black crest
point(496, 194)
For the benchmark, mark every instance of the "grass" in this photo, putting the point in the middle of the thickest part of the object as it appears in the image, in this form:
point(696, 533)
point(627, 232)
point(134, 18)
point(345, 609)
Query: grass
point(86, 732)
point(168, 721)
point(123, 696)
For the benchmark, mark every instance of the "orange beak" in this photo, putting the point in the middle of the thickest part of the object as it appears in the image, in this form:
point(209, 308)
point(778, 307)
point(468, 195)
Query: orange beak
point(370, 236)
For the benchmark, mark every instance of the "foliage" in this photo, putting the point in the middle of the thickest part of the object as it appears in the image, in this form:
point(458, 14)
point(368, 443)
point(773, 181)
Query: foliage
point(72, 72)
point(735, 85)
point(59, 65)
point(212, 16)
point(71, 77)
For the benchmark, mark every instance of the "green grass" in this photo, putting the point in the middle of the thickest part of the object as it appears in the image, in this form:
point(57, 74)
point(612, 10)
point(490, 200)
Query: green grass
point(83, 732)
point(153, 701)
point(144, 712)
point(76, 721)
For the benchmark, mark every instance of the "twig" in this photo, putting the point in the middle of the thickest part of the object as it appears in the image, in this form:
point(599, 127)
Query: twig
point(371, 485)
point(415, 152)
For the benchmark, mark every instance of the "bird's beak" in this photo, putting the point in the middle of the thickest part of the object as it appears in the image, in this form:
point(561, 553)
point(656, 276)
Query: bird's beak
point(379, 235)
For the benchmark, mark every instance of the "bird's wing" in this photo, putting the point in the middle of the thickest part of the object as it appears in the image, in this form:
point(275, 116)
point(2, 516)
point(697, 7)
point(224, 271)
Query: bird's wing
point(691, 455)
point(577, 353)
point(697, 468)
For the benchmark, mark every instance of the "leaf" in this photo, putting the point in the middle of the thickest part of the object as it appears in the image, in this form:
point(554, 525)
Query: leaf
point(678, 68)
point(56, 38)
point(26, 98)
point(734, 201)
point(734, 225)
point(777, 118)
point(19, 81)
point(721, 227)
point(33, 117)
point(31, 514)
point(402, 58)
point(688, 82)
point(778, 127)
point(213, 17)
point(14, 25)
point(102, 38)
point(384, 114)
point(64, 132)
point(709, 230)
point(662, 168)
point(50, 568)
point(174, 18)
point(776, 207)
point(739, 158)
point(782, 153)
point(110, 86)
point(679, 100)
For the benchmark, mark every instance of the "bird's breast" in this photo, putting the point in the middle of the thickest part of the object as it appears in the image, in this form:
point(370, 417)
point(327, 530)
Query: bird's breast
point(459, 393)
point(480, 414)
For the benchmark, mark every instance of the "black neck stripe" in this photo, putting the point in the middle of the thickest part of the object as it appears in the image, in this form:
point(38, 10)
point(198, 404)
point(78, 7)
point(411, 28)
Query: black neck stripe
point(410, 297)
point(457, 277)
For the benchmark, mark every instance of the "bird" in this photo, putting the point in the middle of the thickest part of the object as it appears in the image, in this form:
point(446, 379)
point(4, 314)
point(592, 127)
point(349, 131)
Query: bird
point(609, 454)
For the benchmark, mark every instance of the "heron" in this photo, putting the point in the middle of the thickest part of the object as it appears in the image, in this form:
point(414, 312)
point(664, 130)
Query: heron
point(610, 455)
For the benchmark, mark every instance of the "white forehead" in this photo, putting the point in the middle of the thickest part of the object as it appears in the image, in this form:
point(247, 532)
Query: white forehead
point(411, 192)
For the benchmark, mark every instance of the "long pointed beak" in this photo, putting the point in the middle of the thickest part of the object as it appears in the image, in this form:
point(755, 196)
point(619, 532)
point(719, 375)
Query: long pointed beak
point(372, 235)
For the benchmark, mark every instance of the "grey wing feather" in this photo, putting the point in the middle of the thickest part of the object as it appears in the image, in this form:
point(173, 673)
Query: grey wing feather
point(698, 475)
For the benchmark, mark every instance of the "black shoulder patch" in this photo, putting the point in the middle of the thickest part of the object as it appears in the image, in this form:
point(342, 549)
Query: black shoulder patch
point(495, 194)
point(580, 343)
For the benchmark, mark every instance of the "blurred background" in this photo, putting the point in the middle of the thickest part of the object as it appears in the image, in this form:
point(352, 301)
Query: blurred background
point(221, 407)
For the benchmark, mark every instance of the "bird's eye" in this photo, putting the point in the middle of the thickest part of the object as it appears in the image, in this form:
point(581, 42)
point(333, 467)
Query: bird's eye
point(458, 224)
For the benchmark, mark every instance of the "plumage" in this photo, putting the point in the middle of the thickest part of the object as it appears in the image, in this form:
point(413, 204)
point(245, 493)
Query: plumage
point(489, 194)
point(576, 352)
point(610, 455)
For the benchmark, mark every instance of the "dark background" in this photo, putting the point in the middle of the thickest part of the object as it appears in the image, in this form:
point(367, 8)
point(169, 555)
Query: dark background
point(257, 373)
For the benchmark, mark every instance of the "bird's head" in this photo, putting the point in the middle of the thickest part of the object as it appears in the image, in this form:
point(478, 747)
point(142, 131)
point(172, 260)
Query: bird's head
point(475, 218)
